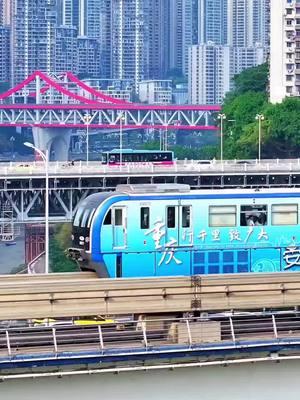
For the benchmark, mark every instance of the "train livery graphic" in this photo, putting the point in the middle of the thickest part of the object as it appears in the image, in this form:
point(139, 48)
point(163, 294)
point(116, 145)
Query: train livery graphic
point(168, 230)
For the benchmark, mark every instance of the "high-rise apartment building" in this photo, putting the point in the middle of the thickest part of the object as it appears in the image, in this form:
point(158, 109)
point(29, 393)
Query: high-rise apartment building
point(33, 37)
point(158, 25)
point(88, 57)
point(285, 49)
point(89, 18)
point(212, 67)
point(233, 36)
point(183, 31)
point(5, 15)
point(4, 54)
point(105, 39)
point(129, 40)
point(213, 21)
point(82, 14)
point(242, 23)
point(247, 22)
point(66, 49)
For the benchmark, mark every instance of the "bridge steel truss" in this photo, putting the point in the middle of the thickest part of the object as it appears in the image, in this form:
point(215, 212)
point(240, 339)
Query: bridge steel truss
point(107, 116)
point(24, 192)
point(63, 101)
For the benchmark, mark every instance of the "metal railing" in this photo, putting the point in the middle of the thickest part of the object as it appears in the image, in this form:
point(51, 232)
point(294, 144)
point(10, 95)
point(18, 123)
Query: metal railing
point(222, 329)
point(184, 166)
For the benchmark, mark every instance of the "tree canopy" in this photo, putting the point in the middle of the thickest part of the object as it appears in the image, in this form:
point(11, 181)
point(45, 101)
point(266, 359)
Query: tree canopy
point(280, 134)
point(60, 241)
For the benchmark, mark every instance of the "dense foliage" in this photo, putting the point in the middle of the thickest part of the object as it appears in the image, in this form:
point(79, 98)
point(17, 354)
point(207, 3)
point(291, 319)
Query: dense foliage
point(280, 128)
point(60, 241)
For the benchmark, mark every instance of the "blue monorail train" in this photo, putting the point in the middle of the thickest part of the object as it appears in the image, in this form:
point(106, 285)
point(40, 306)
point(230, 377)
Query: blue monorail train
point(167, 230)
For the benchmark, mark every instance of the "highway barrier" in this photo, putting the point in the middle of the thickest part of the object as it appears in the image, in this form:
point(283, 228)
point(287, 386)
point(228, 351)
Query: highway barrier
point(83, 294)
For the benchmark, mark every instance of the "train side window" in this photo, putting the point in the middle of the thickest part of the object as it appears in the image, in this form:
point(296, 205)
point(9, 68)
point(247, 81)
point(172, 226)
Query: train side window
point(145, 218)
point(284, 214)
point(254, 215)
point(222, 216)
point(171, 217)
point(118, 217)
point(107, 219)
point(186, 216)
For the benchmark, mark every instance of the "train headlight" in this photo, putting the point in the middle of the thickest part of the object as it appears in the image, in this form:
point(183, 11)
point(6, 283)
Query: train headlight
point(81, 238)
point(72, 237)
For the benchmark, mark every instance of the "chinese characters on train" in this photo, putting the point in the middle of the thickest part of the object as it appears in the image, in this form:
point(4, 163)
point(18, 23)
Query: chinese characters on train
point(158, 232)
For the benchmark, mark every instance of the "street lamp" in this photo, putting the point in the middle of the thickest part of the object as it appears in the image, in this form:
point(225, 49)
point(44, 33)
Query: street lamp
point(165, 145)
point(121, 137)
point(87, 119)
point(259, 117)
point(221, 117)
point(45, 158)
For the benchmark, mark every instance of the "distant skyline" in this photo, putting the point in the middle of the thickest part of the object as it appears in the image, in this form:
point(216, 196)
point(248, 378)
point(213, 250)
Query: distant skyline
point(128, 40)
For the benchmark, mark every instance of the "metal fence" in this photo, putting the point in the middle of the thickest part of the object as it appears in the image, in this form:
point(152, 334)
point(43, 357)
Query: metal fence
point(148, 334)
point(184, 166)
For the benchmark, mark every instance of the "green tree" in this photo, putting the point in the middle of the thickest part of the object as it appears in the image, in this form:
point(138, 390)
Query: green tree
point(281, 133)
point(239, 130)
point(60, 241)
point(252, 80)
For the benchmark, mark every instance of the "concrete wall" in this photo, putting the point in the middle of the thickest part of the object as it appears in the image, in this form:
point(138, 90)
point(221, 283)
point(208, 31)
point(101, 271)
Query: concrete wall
point(260, 381)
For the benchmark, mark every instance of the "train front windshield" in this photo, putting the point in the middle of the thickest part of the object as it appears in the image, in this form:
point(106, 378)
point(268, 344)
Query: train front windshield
point(81, 226)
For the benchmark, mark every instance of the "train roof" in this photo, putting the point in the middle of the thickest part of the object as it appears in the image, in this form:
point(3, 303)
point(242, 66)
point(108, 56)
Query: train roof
point(94, 200)
point(152, 188)
point(158, 189)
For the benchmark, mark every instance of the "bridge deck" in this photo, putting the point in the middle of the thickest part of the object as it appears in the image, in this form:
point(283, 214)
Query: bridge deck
point(22, 185)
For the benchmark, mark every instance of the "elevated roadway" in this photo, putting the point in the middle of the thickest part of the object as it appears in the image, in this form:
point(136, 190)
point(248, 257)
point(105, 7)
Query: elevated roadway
point(82, 294)
point(22, 185)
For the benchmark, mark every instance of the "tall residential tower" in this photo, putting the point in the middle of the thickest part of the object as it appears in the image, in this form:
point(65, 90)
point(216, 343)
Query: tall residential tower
point(285, 50)
point(33, 37)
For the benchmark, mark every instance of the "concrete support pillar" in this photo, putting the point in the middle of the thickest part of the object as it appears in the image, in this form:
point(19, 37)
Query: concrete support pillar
point(56, 140)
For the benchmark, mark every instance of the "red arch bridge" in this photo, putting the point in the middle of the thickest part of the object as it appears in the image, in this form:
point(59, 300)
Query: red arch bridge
point(54, 105)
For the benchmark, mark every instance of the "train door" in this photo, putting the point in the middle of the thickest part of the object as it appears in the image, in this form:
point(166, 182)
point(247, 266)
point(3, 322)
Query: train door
point(178, 226)
point(119, 222)
point(185, 229)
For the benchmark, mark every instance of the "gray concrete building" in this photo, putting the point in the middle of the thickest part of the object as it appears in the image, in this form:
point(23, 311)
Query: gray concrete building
point(66, 49)
point(183, 32)
point(212, 67)
point(88, 57)
point(4, 54)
